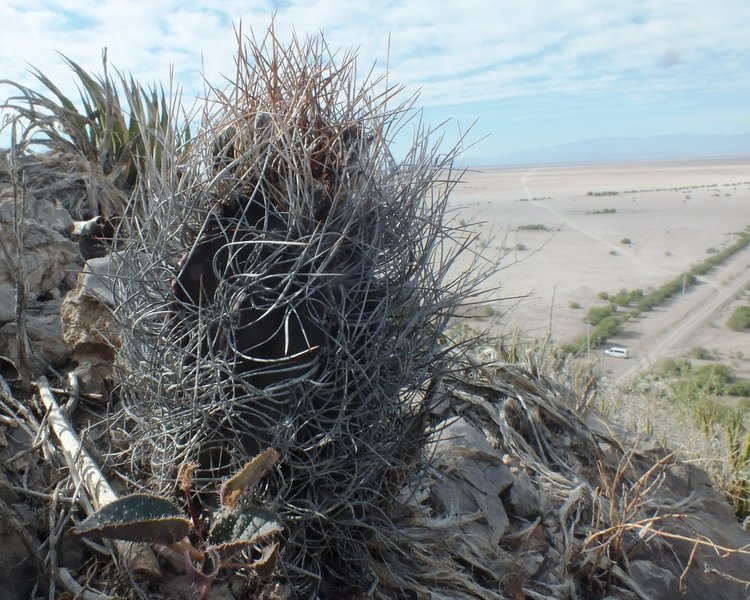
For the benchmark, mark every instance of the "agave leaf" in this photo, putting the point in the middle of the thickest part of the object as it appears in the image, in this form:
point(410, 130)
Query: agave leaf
point(248, 477)
point(241, 528)
point(137, 518)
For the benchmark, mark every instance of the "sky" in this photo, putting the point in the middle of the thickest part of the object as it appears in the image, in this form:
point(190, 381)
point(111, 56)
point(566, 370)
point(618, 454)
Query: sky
point(521, 74)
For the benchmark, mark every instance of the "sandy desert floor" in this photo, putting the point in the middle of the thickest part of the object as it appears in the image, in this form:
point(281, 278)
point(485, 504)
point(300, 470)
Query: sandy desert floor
point(672, 213)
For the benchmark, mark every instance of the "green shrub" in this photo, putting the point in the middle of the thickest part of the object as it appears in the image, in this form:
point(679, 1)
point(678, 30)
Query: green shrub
point(520, 247)
point(597, 314)
point(606, 328)
point(622, 298)
point(700, 353)
point(740, 318)
point(739, 388)
point(575, 305)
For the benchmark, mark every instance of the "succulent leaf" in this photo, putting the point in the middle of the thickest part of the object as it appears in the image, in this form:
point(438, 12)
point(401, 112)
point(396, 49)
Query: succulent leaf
point(266, 564)
point(247, 478)
point(238, 529)
point(137, 518)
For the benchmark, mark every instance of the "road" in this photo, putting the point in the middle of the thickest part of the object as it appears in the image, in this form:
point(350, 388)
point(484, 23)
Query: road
point(668, 329)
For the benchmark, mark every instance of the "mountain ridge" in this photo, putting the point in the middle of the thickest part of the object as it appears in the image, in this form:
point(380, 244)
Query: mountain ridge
point(629, 149)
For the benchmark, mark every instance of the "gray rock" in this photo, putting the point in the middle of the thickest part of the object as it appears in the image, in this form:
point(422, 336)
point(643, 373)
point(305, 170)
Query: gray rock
point(7, 493)
point(98, 275)
point(17, 575)
point(523, 499)
point(473, 477)
point(45, 335)
point(457, 437)
point(47, 251)
point(7, 302)
point(656, 582)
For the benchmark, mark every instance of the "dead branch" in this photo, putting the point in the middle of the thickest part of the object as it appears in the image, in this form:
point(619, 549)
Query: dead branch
point(137, 557)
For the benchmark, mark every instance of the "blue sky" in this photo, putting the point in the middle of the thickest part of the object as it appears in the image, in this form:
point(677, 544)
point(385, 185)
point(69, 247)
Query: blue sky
point(533, 73)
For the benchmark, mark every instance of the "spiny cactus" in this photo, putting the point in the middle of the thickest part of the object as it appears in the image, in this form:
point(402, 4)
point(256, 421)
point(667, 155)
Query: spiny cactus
point(288, 283)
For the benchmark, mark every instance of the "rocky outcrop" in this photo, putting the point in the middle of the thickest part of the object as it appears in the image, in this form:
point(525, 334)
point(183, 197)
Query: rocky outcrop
point(49, 256)
point(89, 329)
point(49, 264)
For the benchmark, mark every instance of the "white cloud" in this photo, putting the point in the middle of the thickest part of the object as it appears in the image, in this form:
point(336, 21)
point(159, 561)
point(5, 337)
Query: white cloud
point(456, 52)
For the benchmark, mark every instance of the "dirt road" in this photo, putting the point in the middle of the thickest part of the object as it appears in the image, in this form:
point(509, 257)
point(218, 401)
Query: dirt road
point(680, 323)
point(684, 322)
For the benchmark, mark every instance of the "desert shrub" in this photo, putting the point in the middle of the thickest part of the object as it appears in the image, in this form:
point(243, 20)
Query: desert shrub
point(635, 295)
point(621, 298)
point(575, 305)
point(739, 320)
point(603, 295)
point(596, 314)
point(713, 378)
point(534, 227)
point(700, 353)
point(520, 247)
point(489, 310)
point(738, 388)
point(606, 328)
point(626, 241)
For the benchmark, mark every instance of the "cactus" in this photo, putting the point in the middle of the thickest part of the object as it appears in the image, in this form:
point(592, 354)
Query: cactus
point(233, 527)
point(288, 283)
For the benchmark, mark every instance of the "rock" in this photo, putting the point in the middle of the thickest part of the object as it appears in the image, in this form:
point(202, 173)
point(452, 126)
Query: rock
point(707, 516)
point(7, 493)
point(47, 251)
point(89, 329)
point(7, 302)
point(92, 379)
point(97, 277)
point(45, 335)
point(17, 573)
point(654, 581)
point(473, 479)
point(522, 498)
point(460, 439)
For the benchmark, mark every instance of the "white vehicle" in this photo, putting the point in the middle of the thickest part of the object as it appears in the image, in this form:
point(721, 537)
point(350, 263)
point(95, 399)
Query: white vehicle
point(617, 352)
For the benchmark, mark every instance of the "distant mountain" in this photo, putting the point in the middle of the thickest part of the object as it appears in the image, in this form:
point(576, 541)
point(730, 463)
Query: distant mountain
point(623, 149)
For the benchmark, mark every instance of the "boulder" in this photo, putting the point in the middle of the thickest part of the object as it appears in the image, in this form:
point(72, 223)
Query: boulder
point(473, 477)
point(45, 336)
point(47, 251)
point(89, 328)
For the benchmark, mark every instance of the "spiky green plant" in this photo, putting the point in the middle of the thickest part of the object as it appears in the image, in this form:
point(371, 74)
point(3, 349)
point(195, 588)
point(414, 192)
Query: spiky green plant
point(99, 144)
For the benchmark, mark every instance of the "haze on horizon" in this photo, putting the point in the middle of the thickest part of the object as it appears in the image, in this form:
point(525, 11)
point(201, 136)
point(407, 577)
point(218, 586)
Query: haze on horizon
point(533, 74)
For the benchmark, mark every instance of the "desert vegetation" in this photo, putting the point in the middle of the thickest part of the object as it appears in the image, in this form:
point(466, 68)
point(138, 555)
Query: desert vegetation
point(740, 318)
point(635, 302)
point(717, 404)
point(290, 402)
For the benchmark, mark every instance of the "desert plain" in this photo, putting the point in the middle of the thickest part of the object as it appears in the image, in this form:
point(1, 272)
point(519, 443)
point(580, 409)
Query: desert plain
point(561, 235)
